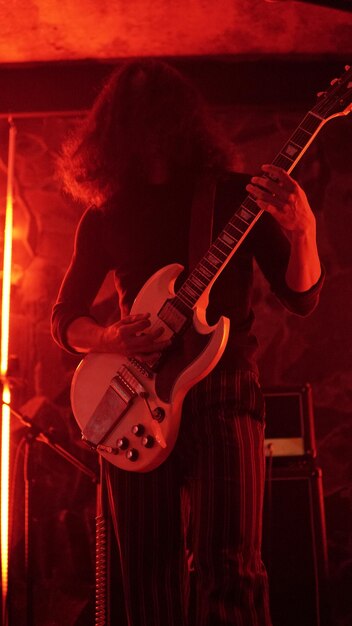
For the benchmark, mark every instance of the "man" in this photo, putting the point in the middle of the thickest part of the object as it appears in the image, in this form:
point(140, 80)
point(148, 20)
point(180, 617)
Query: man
point(137, 162)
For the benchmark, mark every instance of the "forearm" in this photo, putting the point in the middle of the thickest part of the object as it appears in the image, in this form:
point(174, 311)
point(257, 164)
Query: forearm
point(280, 195)
point(304, 268)
point(84, 335)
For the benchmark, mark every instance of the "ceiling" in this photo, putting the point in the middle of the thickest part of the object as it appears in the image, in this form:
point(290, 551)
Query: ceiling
point(62, 30)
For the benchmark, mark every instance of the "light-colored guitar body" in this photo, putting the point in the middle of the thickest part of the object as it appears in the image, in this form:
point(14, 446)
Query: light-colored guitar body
point(133, 419)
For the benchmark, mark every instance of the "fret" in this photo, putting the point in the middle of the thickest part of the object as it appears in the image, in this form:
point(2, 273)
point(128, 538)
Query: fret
point(245, 214)
point(216, 256)
point(198, 290)
point(226, 240)
point(180, 299)
point(195, 281)
point(251, 205)
point(301, 137)
point(241, 225)
point(324, 108)
point(310, 123)
point(227, 237)
point(204, 271)
point(239, 217)
point(289, 156)
point(315, 114)
point(291, 149)
point(211, 265)
point(186, 288)
point(282, 161)
point(221, 247)
point(191, 294)
point(211, 268)
point(198, 272)
point(236, 237)
point(189, 301)
point(181, 306)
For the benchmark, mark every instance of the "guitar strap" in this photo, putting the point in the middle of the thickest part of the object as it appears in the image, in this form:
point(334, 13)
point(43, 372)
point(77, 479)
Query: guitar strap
point(201, 226)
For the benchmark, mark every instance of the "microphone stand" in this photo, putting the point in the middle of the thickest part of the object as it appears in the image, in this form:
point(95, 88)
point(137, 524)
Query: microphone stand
point(35, 433)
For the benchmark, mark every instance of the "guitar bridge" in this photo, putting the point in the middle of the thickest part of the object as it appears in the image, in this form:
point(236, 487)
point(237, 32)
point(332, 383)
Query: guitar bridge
point(122, 390)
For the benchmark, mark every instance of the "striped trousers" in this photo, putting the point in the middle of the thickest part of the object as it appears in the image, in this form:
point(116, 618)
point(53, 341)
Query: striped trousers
point(189, 532)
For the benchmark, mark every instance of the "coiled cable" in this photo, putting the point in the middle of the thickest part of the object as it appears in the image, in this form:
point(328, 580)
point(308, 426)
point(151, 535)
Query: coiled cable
point(100, 571)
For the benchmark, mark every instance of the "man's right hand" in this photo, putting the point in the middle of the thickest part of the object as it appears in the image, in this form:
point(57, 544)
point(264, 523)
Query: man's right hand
point(131, 336)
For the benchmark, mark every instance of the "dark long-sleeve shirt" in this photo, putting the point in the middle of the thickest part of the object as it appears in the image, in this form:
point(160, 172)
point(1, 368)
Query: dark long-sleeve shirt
point(137, 233)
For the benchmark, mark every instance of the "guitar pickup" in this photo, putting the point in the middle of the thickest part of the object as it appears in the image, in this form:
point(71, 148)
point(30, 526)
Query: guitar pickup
point(175, 319)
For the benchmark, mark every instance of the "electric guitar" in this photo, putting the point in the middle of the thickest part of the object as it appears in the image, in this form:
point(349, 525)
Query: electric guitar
point(129, 410)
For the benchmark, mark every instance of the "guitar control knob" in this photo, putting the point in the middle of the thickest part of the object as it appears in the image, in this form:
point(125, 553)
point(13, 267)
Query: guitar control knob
point(132, 454)
point(148, 441)
point(138, 430)
point(122, 443)
point(158, 414)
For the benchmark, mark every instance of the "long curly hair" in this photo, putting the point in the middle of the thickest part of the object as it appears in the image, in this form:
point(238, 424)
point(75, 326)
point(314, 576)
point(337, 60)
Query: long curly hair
point(145, 105)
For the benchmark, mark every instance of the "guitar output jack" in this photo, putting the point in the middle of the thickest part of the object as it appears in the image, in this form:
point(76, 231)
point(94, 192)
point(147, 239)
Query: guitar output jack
point(158, 414)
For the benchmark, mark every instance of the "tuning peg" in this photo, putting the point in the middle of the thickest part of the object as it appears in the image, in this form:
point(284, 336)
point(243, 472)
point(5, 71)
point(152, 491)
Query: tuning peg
point(347, 67)
point(333, 81)
point(321, 93)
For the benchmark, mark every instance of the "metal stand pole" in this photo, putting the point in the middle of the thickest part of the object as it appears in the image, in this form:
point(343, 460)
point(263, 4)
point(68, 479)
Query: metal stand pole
point(34, 433)
point(102, 608)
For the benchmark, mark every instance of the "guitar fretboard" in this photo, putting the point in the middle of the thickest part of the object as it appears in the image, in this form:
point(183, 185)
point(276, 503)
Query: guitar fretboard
point(244, 218)
point(335, 101)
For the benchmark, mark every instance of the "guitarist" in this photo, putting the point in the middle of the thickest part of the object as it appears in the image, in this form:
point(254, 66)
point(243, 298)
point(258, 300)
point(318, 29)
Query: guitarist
point(135, 162)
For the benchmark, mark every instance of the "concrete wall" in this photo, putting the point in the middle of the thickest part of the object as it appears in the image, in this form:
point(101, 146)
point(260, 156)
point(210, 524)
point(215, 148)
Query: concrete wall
point(38, 30)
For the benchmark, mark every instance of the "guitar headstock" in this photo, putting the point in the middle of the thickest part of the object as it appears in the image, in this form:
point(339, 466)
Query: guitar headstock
point(337, 100)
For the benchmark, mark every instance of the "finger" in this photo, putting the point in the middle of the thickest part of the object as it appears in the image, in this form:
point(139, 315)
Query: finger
point(130, 319)
point(274, 189)
point(147, 342)
point(278, 174)
point(157, 333)
point(143, 352)
point(143, 344)
point(264, 197)
point(133, 328)
point(275, 212)
point(152, 334)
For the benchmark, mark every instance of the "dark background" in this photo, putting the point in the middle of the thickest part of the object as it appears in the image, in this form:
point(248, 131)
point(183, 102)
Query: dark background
point(260, 101)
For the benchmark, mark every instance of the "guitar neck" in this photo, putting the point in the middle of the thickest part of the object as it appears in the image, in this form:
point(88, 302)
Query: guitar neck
point(231, 237)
